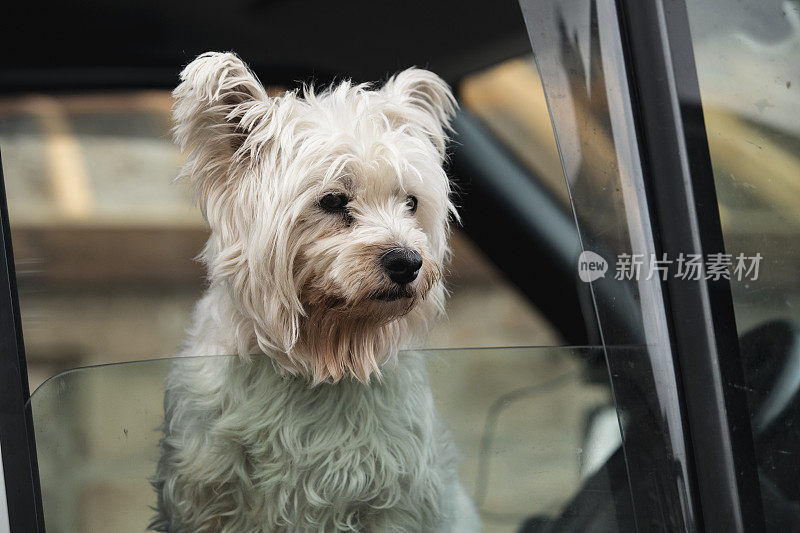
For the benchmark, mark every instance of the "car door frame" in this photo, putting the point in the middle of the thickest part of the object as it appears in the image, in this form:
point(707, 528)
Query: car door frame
point(17, 443)
point(712, 484)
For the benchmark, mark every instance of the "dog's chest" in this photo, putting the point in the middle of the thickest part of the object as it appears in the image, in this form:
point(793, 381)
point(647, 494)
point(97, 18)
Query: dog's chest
point(333, 455)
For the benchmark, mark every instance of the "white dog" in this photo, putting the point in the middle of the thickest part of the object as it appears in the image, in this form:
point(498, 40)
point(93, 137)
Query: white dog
point(329, 223)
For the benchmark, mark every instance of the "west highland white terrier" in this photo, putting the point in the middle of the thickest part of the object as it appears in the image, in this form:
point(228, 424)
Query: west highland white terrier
point(329, 222)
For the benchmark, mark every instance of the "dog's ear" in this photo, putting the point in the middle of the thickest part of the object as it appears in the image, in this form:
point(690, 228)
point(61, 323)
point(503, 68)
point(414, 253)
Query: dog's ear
point(217, 103)
point(425, 100)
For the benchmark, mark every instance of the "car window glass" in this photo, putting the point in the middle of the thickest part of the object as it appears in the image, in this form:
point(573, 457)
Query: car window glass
point(531, 432)
point(746, 56)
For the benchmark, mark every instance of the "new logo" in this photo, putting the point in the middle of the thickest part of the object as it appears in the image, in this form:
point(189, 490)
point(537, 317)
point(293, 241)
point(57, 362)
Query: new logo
point(591, 266)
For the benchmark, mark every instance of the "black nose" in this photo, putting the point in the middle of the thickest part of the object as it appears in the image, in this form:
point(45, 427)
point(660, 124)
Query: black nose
point(402, 265)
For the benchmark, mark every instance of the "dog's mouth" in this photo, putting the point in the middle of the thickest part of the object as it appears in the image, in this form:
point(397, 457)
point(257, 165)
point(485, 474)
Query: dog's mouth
point(385, 297)
point(393, 294)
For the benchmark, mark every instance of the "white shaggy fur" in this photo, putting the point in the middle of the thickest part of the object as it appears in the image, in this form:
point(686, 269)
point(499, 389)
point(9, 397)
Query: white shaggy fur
point(317, 424)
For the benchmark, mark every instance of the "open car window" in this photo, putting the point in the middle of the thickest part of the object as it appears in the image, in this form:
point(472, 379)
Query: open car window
point(105, 244)
point(105, 239)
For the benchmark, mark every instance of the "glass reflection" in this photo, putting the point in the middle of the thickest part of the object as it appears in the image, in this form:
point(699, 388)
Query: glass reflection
point(532, 434)
point(580, 57)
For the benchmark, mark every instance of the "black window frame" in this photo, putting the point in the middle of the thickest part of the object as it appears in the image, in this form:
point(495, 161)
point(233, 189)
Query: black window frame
point(684, 205)
point(20, 466)
point(705, 378)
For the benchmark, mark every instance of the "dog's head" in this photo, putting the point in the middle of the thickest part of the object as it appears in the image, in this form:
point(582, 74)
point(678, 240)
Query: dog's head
point(328, 212)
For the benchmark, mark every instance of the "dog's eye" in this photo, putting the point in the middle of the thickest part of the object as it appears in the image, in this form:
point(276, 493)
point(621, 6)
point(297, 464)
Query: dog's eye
point(333, 202)
point(412, 202)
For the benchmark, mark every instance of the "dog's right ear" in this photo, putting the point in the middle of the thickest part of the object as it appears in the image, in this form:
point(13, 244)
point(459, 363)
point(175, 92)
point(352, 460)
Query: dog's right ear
point(217, 103)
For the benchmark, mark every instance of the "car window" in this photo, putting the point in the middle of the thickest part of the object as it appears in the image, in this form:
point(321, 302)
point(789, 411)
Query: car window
point(747, 68)
point(106, 245)
point(746, 57)
point(531, 433)
point(105, 242)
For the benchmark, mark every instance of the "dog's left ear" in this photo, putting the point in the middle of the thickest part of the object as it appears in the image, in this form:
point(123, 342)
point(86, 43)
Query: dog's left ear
point(424, 100)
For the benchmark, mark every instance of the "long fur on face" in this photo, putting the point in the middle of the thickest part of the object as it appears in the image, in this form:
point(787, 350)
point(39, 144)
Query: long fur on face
point(307, 284)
